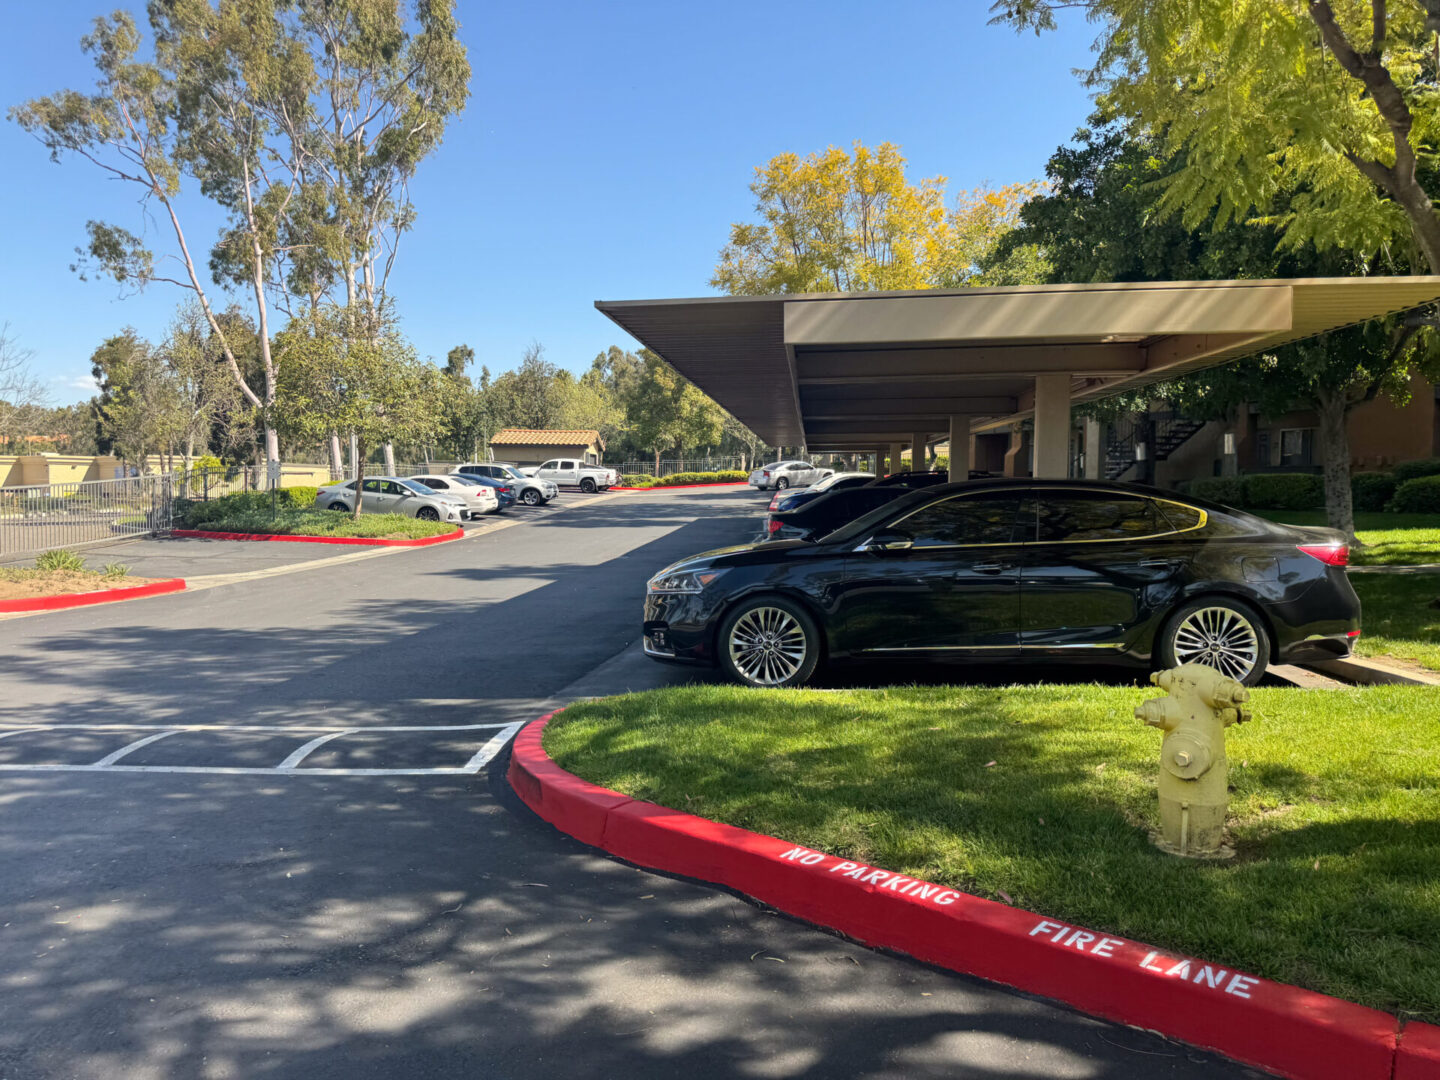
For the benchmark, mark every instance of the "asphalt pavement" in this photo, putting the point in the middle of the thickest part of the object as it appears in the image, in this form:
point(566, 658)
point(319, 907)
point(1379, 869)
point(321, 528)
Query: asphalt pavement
point(379, 908)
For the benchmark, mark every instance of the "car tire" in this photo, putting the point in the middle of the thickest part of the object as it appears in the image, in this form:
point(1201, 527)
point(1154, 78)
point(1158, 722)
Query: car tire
point(750, 634)
point(587, 486)
point(427, 513)
point(531, 497)
point(1220, 632)
point(337, 506)
point(781, 484)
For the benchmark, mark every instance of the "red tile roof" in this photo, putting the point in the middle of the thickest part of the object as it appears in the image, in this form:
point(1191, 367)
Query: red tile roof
point(535, 437)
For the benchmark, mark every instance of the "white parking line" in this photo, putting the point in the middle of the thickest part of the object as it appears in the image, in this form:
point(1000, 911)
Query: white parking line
point(503, 734)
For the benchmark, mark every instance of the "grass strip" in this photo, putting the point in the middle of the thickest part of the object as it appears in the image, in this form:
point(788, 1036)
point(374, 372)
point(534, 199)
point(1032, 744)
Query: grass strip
point(1044, 796)
point(293, 522)
point(1400, 616)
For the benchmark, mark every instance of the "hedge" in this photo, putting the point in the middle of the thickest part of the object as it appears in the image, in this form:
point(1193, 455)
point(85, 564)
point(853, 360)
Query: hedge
point(1418, 496)
point(192, 513)
point(728, 476)
point(1229, 490)
point(1284, 491)
point(1371, 491)
point(1413, 470)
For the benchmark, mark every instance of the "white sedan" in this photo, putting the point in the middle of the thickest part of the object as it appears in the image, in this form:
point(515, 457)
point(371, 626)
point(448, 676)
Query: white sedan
point(478, 498)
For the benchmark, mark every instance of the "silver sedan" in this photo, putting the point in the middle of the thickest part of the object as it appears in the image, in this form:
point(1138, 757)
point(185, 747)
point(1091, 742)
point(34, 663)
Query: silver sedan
point(393, 495)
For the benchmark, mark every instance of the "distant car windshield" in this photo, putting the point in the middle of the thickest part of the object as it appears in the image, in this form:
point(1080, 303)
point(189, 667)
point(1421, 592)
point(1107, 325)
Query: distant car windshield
point(510, 470)
point(417, 487)
point(458, 478)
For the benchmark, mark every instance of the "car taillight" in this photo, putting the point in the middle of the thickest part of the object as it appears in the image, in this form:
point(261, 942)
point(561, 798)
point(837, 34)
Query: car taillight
point(775, 501)
point(764, 472)
point(507, 491)
point(774, 525)
point(1352, 634)
point(1329, 554)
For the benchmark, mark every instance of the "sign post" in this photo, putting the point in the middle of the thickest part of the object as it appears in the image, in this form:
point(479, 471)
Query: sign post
point(272, 472)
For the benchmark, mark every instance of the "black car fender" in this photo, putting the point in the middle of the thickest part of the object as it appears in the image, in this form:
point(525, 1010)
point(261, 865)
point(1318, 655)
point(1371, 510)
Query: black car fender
point(1251, 598)
point(767, 588)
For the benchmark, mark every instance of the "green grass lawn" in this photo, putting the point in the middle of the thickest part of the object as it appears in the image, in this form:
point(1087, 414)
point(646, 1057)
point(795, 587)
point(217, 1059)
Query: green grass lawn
point(1398, 617)
point(1389, 539)
point(1044, 795)
point(293, 522)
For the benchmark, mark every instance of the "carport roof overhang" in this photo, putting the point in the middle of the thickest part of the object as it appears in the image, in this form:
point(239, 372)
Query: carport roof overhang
point(853, 371)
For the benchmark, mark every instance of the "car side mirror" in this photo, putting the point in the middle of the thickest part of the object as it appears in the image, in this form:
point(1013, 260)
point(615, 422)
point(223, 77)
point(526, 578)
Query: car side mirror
point(889, 540)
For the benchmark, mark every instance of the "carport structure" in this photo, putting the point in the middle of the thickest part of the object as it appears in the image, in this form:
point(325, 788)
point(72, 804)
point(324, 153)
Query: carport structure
point(848, 372)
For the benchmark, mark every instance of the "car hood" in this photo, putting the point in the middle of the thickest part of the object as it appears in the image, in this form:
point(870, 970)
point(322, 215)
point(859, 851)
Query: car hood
point(739, 555)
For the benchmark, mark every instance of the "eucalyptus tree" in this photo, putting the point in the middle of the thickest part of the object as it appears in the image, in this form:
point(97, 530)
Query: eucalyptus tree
point(302, 121)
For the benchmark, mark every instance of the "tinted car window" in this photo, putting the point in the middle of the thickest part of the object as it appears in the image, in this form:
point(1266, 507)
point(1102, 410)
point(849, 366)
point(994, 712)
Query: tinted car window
point(973, 519)
point(372, 485)
point(391, 488)
point(1097, 516)
point(1178, 516)
point(436, 484)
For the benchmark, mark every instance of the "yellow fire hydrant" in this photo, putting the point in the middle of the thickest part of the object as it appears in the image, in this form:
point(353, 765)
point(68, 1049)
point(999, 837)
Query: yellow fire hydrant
point(1194, 777)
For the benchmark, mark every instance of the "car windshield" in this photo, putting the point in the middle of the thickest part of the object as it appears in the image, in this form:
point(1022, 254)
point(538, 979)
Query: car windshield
point(510, 470)
point(417, 487)
point(866, 522)
point(458, 479)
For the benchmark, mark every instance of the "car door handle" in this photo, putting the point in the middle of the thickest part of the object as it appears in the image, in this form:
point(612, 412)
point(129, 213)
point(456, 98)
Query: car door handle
point(987, 568)
point(1158, 562)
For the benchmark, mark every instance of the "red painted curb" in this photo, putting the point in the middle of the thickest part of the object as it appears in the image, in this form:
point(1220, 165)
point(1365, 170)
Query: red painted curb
point(362, 541)
point(682, 487)
point(1419, 1054)
point(85, 599)
point(1285, 1029)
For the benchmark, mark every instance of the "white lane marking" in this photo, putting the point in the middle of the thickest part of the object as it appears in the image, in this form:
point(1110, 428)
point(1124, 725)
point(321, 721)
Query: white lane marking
point(493, 747)
point(271, 729)
point(314, 744)
point(111, 759)
point(481, 758)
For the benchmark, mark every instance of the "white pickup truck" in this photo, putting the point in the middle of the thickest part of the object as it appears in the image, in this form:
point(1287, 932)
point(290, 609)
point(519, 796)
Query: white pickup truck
point(572, 473)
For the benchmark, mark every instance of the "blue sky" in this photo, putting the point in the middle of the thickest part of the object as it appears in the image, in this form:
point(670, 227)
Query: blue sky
point(605, 151)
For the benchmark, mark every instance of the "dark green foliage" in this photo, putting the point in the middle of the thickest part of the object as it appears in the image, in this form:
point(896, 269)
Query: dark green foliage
point(1371, 491)
point(1410, 470)
point(1227, 490)
point(1284, 491)
point(726, 476)
point(195, 513)
point(293, 522)
point(1418, 496)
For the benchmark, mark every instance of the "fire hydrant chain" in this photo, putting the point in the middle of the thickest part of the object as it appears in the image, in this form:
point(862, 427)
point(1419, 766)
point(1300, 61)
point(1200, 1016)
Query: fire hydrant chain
point(1194, 775)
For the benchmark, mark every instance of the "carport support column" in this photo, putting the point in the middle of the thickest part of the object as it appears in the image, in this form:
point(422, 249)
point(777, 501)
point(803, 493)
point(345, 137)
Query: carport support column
point(896, 452)
point(959, 448)
point(1052, 427)
point(880, 461)
point(1094, 450)
point(918, 443)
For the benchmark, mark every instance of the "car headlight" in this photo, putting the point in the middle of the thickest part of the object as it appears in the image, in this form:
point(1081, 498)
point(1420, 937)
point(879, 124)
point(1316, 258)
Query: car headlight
point(681, 581)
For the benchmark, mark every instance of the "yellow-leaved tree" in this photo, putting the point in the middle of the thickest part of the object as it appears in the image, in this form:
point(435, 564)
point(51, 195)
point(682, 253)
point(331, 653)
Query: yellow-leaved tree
point(850, 222)
point(836, 221)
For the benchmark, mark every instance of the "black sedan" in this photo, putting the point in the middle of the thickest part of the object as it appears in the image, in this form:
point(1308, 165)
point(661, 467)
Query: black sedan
point(1007, 570)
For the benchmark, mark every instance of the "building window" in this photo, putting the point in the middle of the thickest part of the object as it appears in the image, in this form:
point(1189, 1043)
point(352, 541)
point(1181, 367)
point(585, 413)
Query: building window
point(1297, 447)
point(1262, 449)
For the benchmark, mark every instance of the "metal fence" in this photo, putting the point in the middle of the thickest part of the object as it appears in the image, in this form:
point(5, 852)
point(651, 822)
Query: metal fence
point(63, 515)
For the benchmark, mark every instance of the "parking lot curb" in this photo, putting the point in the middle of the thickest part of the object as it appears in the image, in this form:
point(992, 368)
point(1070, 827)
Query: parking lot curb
point(85, 599)
point(356, 541)
point(682, 487)
point(1285, 1029)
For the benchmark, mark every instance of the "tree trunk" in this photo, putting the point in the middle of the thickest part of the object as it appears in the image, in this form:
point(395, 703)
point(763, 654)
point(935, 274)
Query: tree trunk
point(657, 461)
point(337, 465)
point(1334, 411)
point(390, 459)
point(359, 482)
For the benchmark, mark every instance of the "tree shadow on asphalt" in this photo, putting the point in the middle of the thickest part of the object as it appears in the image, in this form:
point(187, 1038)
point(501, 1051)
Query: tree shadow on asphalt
point(347, 928)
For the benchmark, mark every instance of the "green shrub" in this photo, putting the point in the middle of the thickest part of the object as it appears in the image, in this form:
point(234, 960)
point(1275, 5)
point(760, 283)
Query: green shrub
point(1371, 491)
point(638, 480)
point(59, 559)
point(1413, 470)
point(195, 513)
point(1418, 496)
point(728, 476)
point(114, 570)
point(1227, 490)
point(1283, 491)
point(301, 496)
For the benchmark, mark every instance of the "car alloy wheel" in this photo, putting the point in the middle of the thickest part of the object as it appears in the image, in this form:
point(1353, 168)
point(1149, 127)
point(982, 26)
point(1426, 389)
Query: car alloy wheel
point(427, 513)
point(768, 646)
point(337, 506)
point(1221, 638)
point(587, 485)
point(531, 497)
point(781, 484)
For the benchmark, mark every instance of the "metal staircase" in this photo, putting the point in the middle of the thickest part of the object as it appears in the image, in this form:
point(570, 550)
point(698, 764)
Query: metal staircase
point(1170, 432)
